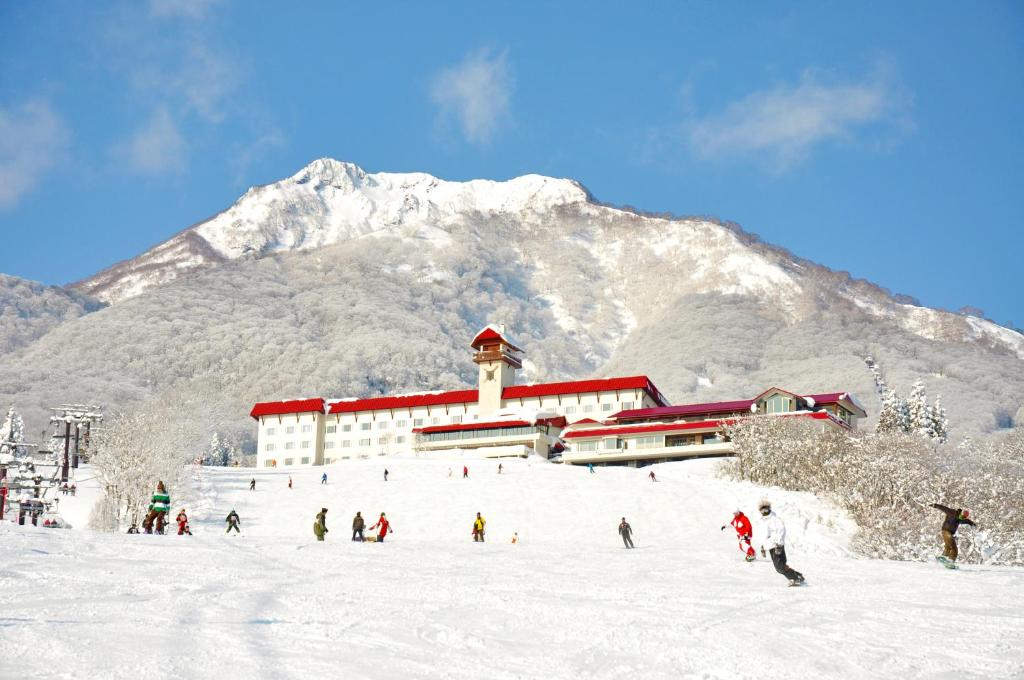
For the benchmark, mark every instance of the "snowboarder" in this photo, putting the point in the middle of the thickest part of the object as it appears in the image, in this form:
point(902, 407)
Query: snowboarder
point(590, 466)
point(252, 484)
point(776, 542)
point(478, 528)
point(289, 481)
point(500, 468)
point(744, 532)
point(233, 522)
point(357, 527)
point(465, 472)
point(385, 527)
point(626, 532)
point(182, 520)
point(385, 474)
point(323, 479)
point(159, 506)
point(652, 477)
point(320, 525)
point(954, 518)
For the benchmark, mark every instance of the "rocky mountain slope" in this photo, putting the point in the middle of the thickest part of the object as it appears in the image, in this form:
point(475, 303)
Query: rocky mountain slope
point(340, 282)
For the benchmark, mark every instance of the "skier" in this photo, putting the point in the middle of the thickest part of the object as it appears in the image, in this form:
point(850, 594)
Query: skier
point(515, 537)
point(385, 527)
point(465, 472)
point(289, 481)
point(385, 474)
point(478, 528)
point(357, 527)
point(626, 532)
point(652, 477)
point(590, 466)
point(954, 518)
point(182, 520)
point(500, 468)
point(159, 505)
point(449, 472)
point(252, 484)
point(743, 534)
point(323, 480)
point(776, 542)
point(233, 522)
point(320, 525)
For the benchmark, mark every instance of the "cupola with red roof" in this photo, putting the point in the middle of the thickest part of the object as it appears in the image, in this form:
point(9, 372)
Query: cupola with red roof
point(498, 359)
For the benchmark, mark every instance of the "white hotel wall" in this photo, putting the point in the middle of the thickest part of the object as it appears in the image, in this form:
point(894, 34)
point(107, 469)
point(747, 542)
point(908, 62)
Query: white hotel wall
point(384, 430)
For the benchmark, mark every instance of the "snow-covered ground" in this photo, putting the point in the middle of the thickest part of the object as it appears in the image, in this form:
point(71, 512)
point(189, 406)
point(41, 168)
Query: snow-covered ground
point(568, 601)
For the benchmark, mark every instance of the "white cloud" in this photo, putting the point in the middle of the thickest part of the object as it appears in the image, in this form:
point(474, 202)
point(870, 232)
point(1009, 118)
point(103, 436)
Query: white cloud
point(32, 139)
point(785, 123)
point(204, 81)
point(157, 147)
point(185, 9)
point(476, 92)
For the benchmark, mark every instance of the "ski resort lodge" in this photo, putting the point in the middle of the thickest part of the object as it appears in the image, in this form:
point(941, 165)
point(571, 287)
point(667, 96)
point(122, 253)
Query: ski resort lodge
point(609, 421)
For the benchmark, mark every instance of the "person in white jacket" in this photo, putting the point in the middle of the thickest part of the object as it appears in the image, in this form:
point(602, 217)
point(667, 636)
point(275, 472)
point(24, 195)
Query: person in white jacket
point(775, 540)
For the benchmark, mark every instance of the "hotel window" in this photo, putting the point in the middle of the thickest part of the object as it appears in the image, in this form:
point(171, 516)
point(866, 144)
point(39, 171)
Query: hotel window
point(346, 428)
point(305, 444)
point(646, 442)
point(331, 429)
point(588, 408)
point(268, 463)
point(435, 421)
point(606, 407)
point(307, 428)
point(627, 405)
point(401, 423)
point(289, 461)
point(382, 440)
point(382, 425)
point(587, 446)
point(305, 461)
point(290, 429)
point(270, 447)
point(779, 404)
point(364, 442)
point(456, 419)
point(289, 445)
point(570, 410)
point(417, 422)
point(270, 431)
point(328, 445)
point(365, 426)
point(345, 443)
point(399, 440)
point(611, 444)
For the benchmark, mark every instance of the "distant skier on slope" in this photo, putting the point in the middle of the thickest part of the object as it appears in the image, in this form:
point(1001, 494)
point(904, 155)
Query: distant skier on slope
point(320, 525)
point(652, 477)
point(954, 518)
point(776, 542)
point(626, 532)
point(744, 532)
point(478, 528)
point(159, 506)
point(386, 474)
point(252, 484)
point(182, 520)
point(323, 478)
point(357, 527)
point(465, 472)
point(590, 466)
point(289, 481)
point(500, 468)
point(385, 527)
point(233, 522)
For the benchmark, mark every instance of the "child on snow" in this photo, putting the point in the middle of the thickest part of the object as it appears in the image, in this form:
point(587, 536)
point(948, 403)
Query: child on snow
point(744, 532)
point(233, 521)
point(182, 520)
point(478, 528)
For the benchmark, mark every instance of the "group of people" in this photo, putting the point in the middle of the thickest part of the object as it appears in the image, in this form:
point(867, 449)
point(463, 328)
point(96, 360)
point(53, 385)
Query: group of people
point(383, 527)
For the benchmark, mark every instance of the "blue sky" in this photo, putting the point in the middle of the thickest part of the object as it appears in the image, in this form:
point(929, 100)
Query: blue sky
point(878, 139)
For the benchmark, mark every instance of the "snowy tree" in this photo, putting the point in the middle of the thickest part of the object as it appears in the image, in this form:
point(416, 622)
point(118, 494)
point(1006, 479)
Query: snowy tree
point(222, 451)
point(919, 411)
point(891, 415)
point(12, 432)
point(939, 424)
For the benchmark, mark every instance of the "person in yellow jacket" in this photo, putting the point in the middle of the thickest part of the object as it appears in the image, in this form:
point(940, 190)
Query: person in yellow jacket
point(478, 528)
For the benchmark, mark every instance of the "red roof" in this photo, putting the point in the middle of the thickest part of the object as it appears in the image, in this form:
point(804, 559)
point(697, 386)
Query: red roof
point(277, 408)
point(558, 421)
point(837, 397)
point(405, 401)
point(491, 333)
point(675, 427)
point(685, 410)
point(636, 382)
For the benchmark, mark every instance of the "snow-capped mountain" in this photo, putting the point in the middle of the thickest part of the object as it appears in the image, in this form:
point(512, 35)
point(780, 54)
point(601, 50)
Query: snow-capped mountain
point(338, 282)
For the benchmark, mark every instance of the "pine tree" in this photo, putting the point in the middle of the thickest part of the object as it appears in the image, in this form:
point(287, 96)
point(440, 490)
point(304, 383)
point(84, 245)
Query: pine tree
point(940, 424)
point(889, 419)
point(12, 432)
point(918, 411)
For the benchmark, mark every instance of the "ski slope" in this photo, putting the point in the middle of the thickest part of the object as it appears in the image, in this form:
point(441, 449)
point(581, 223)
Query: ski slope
point(568, 601)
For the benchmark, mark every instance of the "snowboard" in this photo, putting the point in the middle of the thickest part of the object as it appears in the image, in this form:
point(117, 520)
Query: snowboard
point(946, 562)
point(793, 583)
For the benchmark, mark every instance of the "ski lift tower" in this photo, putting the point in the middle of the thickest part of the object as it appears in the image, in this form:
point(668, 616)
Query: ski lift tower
point(82, 417)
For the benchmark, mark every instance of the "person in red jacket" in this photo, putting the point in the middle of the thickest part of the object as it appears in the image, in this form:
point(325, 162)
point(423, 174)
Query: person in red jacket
point(182, 520)
point(385, 527)
point(744, 532)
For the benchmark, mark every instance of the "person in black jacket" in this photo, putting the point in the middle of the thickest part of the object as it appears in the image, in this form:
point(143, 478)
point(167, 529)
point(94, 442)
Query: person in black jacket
point(954, 518)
